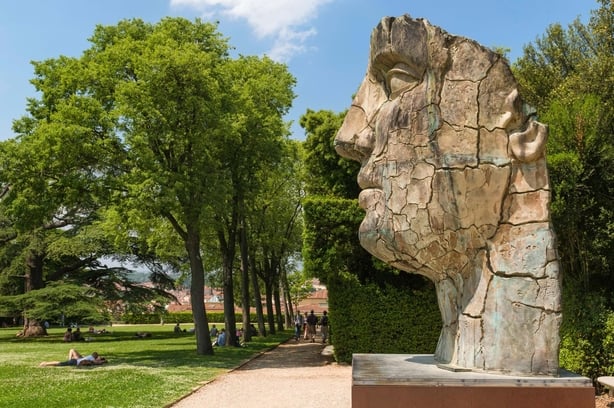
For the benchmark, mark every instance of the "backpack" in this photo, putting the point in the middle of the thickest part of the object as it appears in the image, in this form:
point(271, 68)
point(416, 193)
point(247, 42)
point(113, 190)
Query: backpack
point(324, 321)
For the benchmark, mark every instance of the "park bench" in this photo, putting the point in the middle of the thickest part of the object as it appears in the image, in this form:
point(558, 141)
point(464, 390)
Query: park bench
point(607, 382)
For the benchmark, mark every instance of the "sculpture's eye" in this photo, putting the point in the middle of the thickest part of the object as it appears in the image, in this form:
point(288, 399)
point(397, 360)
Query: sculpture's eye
point(400, 79)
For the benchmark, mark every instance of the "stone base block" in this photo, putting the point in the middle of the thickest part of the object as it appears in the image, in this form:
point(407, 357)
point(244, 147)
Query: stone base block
point(415, 381)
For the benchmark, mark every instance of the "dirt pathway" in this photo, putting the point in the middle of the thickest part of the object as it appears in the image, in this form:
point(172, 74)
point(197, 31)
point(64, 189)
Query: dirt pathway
point(291, 375)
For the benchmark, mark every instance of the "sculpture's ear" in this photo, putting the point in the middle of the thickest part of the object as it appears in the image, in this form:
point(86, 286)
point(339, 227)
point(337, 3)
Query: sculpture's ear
point(529, 145)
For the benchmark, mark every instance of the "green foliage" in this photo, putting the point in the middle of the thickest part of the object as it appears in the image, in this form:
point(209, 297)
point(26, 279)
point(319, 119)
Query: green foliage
point(300, 286)
point(608, 346)
point(388, 319)
point(587, 346)
point(567, 76)
point(57, 302)
point(326, 171)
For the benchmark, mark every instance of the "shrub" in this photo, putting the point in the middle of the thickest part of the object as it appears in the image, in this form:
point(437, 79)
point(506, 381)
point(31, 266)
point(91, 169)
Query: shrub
point(388, 319)
point(587, 337)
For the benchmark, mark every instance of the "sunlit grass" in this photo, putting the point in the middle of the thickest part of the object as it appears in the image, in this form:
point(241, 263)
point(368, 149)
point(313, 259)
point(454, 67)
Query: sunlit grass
point(150, 372)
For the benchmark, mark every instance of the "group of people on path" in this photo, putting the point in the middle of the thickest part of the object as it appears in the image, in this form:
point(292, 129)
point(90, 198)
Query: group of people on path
point(306, 326)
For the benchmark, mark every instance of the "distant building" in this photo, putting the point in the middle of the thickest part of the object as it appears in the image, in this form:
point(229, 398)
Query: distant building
point(317, 300)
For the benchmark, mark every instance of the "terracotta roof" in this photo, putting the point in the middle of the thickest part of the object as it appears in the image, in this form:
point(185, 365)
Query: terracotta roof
point(317, 300)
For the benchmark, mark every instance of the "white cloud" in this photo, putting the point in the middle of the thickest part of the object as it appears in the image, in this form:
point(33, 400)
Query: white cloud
point(286, 21)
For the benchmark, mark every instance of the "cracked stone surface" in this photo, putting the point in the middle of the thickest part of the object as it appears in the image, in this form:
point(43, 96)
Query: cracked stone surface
point(455, 188)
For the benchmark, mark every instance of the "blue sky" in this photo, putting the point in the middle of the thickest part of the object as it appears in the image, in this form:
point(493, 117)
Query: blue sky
point(324, 42)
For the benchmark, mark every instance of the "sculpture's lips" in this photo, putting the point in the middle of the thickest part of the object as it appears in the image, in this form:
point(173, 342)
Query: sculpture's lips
point(368, 199)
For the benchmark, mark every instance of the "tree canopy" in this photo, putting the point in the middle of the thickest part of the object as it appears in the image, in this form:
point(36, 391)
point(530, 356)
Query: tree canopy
point(151, 134)
point(567, 75)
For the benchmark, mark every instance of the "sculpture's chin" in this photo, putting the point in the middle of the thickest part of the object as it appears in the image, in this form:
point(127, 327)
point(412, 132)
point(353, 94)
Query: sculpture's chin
point(372, 201)
point(376, 231)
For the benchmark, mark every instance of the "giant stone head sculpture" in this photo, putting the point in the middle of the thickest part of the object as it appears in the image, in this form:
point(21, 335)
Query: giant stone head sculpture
point(455, 188)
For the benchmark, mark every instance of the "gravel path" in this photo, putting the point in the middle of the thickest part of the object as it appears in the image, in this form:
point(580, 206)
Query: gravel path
point(279, 378)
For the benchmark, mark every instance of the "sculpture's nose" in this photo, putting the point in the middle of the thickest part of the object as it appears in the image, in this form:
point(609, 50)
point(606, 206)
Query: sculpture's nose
point(354, 139)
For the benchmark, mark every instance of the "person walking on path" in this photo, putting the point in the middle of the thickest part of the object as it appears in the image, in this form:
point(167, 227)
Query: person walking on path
point(305, 327)
point(324, 327)
point(298, 325)
point(312, 321)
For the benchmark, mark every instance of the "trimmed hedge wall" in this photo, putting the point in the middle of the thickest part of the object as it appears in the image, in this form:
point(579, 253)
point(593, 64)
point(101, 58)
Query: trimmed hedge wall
point(370, 319)
point(177, 317)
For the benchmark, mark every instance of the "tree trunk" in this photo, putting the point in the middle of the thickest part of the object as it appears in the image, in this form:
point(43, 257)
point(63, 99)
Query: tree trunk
point(247, 333)
point(33, 281)
point(32, 328)
point(269, 307)
point(197, 294)
point(279, 317)
point(230, 319)
point(287, 299)
point(257, 299)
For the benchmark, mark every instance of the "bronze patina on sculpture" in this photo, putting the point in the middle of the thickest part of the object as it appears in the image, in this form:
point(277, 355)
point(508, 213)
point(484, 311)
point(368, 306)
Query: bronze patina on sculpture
point(455, 188)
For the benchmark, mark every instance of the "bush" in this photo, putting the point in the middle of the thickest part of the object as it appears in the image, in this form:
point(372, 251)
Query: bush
point(389, 319)
point(587, 337)
point(176, 317)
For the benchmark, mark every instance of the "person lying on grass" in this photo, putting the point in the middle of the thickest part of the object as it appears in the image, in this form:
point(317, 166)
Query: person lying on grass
point(76, 359)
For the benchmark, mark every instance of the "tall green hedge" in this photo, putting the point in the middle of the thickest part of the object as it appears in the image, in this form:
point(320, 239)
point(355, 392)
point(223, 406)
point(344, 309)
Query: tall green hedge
point(176, 317)
point(373, 319)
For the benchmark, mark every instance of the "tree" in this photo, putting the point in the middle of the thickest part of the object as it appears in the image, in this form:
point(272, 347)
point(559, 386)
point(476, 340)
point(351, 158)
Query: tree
point(53, 186)
point(325, 171)
point(300, 287)
point(260, 94)
point(170, 105)
point(275, 225)
point(567, 76)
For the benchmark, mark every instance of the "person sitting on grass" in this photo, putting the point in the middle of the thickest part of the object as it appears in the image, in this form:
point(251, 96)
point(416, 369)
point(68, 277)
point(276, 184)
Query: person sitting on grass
point(68, 335)
point(221, 339)
point(76, 335)
point(76, 359)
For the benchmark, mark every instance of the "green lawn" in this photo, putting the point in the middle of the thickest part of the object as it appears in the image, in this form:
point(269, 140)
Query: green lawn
point(151, 372)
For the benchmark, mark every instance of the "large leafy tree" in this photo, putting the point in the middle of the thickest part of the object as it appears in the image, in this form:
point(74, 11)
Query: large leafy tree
point(169, 87)
point(275, 226)
point(146, 105)
point(53, 178)
point(260, 93)
point(567, 75)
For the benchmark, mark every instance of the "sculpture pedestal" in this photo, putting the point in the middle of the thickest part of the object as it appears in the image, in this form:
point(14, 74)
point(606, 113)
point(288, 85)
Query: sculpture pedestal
point(415, 381)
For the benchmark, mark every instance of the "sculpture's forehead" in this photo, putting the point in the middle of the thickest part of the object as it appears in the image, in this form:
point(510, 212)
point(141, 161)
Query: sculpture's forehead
point(399, 40)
